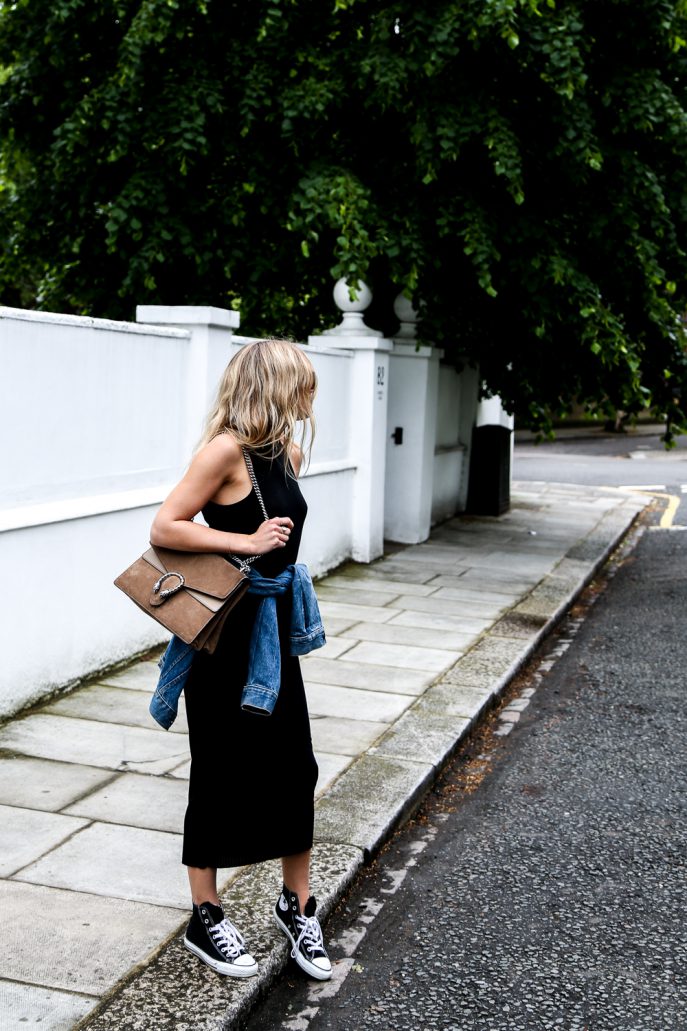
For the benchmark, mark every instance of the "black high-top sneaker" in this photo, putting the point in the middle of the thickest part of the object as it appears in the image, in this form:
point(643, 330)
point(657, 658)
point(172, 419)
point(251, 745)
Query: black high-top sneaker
point(215, 940)
point(304, 932)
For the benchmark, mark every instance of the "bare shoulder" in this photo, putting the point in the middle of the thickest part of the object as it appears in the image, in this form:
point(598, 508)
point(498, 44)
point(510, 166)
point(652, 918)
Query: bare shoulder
point(221, 455)
point(296, 458)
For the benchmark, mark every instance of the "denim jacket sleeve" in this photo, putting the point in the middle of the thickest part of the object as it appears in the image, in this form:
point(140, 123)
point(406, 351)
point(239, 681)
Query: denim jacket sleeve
point(175, 666)
point(307, 631)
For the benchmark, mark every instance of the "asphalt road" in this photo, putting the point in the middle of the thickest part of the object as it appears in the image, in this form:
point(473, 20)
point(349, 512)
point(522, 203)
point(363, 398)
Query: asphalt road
point(634, 459)
point(543, 884)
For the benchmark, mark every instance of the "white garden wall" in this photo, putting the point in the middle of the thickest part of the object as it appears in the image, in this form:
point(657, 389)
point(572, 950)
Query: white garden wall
point(98, 420)
point(455, 417)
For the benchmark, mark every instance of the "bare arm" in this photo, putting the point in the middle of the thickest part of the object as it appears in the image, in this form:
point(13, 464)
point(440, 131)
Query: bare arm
point(218, 463)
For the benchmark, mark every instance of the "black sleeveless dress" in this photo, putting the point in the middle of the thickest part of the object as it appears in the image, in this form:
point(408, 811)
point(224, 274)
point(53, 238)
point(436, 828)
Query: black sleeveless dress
point(252, 782)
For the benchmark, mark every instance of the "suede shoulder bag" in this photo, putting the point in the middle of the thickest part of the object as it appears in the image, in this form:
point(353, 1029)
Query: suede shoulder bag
point(190, 593)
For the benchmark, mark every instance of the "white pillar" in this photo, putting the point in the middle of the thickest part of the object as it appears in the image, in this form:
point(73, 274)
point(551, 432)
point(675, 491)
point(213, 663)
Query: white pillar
point(211, 348)
point(368, 417)
point(490, 412)
point(491, 459)
point(411, 436)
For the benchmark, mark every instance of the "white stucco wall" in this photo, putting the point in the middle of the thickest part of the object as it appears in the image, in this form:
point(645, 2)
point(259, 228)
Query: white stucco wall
point(66, 619)
point(98, 420)
point(455, 416)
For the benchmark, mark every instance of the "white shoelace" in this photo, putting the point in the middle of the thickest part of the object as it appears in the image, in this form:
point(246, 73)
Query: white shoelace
point(310, 934)
point(227, 939)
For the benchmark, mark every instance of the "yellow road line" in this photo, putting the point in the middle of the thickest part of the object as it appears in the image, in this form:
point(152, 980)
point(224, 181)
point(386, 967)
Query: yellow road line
point(671, 508)
point(666, 521)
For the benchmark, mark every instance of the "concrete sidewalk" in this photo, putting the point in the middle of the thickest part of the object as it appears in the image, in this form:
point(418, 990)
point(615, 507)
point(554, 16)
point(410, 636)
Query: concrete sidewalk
point(92, 794)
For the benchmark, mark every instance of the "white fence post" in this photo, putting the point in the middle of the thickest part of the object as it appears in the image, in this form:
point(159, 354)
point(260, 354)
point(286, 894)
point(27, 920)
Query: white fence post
point(368, 417)
point(210, 350)
point(411, 439)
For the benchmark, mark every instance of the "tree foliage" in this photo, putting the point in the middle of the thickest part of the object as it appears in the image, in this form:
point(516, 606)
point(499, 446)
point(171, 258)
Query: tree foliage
point(519, 167)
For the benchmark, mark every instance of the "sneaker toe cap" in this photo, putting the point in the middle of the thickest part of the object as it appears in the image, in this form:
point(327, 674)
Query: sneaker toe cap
point(322, 963)
point(245, 960)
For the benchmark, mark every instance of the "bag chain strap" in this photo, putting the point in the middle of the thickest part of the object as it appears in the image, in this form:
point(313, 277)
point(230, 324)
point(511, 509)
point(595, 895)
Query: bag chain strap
point(243, 560)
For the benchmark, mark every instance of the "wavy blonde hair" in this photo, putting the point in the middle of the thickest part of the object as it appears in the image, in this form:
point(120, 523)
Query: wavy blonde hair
point(266, 388)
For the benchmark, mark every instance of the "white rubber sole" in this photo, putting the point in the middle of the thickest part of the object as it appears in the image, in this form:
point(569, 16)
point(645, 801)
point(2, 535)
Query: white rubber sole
point(303, 963)
point(227, 969)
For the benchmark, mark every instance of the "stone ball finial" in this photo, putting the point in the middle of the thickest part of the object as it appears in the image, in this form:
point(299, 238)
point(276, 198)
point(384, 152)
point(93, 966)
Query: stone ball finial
point(407, 316)
point(352, 323)
point(343, 300)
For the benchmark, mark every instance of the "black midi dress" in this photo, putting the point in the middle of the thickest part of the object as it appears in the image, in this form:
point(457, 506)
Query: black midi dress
point(253, 777)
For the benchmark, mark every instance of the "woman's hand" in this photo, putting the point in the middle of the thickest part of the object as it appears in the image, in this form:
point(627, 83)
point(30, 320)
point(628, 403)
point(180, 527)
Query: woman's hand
point(273, 533)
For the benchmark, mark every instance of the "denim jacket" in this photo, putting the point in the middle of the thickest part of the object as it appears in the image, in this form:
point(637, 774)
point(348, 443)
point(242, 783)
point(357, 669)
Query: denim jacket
point(264, 664)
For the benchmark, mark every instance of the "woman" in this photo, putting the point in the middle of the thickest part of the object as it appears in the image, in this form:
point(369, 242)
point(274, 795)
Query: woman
point(252, 781)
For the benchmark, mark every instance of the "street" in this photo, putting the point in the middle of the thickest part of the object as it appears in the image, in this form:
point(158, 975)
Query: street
point(633, 459)
point(542, 885)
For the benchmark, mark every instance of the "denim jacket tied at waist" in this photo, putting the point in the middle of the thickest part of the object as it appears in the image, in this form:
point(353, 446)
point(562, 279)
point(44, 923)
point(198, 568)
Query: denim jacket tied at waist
point(264, 662)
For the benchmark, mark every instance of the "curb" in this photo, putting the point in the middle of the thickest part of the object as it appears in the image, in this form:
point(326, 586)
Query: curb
point(364, 806)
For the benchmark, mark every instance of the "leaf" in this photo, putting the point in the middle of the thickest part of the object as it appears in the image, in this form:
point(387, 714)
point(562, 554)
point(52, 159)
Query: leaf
point(518, 165)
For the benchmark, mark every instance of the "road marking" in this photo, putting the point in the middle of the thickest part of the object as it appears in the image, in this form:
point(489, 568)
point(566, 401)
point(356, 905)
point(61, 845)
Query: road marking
point(643, 486)
point(670, 511)
point(666, 520)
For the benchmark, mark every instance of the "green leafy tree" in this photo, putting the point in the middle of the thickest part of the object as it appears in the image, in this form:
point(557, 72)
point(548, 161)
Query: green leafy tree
point(519, 167)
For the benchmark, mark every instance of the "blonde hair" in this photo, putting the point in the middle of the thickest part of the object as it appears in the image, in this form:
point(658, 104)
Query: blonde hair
point(266, 388)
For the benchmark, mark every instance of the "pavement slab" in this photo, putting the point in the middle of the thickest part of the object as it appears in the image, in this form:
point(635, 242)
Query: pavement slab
point(352, 579)
point(420, 644)
point(140, 677)
point(330, 766)
point(363, 613)
point(132, 863)
point(430, 660)
point(440, 560)
point(520, 564)
point(337, 735)
point(400, 572)
point(336, 625)
point(462, 591)
point(498, 580)
point(136, 800)
point(22, 1005)
point(452, 627)
point(365, 676)
point(100, 939)
point(111, 705)
point(335, 647)
point(353, 703)
point(26, 834)
point(406, 634)
point(110, 745)
point(443, 606)
point(340, 595)
point(45, 784)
